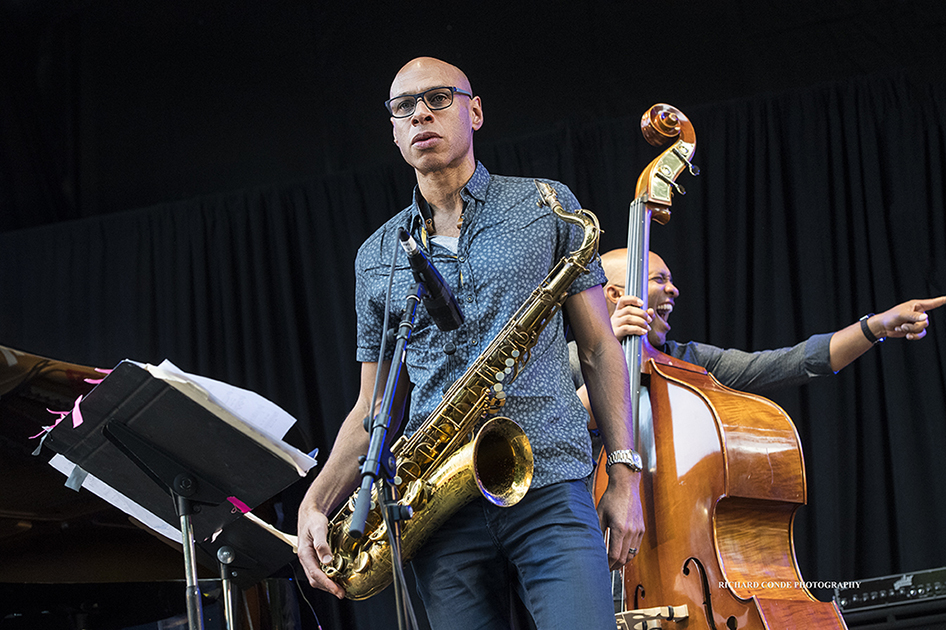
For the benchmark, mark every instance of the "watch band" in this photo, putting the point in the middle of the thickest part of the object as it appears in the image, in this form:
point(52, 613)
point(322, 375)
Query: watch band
point(866, 329)
point(628, 457)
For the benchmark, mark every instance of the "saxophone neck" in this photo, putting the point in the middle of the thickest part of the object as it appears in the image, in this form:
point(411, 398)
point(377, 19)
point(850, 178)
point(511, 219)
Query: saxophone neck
point(587, 220)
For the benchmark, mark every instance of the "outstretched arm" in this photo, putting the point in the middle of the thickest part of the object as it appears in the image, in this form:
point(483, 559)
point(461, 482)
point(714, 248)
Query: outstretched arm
point(908, 319)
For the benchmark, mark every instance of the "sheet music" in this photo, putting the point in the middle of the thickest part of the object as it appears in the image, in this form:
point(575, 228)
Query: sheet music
point(255, 412)
point(247, 411)
point(258, 412)
point(104, 491)
point(119, 500)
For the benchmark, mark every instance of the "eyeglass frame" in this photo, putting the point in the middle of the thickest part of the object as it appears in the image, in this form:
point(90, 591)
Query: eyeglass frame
point(661, 279)
point(421, 96)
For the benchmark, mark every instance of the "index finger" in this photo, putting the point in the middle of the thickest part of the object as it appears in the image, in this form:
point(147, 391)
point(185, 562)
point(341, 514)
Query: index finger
point(630, 299)
point(931, 303)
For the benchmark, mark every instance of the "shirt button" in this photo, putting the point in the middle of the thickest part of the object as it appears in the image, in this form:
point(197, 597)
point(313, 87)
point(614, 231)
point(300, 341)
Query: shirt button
point(473, 342)
point(462, 258)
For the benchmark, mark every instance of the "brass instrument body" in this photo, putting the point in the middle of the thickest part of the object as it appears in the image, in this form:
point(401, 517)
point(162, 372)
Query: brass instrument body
point(440, 468)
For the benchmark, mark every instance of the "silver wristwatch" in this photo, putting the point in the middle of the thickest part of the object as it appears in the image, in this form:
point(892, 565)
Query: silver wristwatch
point(629, 457)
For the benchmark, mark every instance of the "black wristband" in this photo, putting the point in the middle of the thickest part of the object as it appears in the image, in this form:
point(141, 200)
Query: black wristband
point(866, 329)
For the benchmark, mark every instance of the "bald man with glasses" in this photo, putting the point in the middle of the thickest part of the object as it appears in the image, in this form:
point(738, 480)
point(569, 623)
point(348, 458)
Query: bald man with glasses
point(494, 246)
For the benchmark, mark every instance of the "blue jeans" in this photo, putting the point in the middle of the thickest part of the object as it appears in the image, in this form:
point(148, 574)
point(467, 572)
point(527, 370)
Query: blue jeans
point(549, 546)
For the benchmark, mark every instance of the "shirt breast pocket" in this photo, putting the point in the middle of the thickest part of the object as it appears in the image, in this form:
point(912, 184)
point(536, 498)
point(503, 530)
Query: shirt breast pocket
point(403, 286)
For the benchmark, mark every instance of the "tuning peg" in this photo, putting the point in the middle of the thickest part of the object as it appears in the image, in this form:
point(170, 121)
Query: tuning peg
point(693, 168)
point(677, 187)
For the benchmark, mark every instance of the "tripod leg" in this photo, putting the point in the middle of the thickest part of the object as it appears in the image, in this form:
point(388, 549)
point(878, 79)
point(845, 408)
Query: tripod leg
point(195, 608)
point(225, 556)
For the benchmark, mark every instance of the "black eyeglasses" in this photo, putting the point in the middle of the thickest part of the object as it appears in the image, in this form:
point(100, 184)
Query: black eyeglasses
point(435, 98)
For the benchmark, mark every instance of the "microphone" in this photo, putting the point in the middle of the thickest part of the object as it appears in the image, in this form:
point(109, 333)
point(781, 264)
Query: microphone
point(439, 301)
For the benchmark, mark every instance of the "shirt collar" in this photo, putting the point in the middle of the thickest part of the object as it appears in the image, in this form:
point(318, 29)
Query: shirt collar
point(475, 188)
point(479, 183)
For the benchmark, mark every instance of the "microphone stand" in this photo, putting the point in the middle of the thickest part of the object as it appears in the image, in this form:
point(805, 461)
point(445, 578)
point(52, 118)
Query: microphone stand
point(379, 463)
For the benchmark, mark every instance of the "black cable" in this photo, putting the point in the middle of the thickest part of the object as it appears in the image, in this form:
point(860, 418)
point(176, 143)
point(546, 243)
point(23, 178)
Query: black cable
point(384, 330)
point(295, 578)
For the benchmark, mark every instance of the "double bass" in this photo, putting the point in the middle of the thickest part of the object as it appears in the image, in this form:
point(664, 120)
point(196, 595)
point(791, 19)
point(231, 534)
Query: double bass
point(723, 471)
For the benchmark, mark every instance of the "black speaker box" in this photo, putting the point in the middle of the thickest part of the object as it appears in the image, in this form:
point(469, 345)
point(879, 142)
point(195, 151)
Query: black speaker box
point(929, 615)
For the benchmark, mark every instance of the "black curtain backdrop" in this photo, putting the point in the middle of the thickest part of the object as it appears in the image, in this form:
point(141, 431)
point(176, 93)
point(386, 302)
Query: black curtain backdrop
point(813, 207)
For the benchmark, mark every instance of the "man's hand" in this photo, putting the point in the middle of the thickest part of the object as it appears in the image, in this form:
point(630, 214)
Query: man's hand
point(621, 516)
point(903, 320)
point(629, 318)
point(906, 320)
point(314, 549)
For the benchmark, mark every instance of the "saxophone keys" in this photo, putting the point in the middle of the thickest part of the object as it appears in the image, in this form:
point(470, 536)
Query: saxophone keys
point(337, 568)
point(376, 534)
point(362, 562)
point(424, 454)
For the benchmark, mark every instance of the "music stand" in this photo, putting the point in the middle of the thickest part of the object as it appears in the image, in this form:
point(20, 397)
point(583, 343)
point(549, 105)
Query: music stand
point(168, 447)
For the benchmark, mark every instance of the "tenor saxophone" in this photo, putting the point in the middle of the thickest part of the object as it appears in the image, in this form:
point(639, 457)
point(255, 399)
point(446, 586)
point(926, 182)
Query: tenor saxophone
point(441, 467)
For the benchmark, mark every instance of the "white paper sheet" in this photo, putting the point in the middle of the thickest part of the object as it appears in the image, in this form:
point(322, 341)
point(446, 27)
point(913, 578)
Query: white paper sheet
point(101, 489)
point(265, 416)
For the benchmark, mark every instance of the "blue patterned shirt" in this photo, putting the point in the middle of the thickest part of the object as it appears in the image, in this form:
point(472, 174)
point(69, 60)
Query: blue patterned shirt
point(506, 248)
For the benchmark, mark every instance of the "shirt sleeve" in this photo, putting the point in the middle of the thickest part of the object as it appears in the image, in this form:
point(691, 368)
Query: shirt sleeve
point(369, 311)
point(762, 371)
point(574, 364)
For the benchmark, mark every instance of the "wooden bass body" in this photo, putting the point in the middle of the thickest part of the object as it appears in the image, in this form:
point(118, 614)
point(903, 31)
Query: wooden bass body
point(723, 476)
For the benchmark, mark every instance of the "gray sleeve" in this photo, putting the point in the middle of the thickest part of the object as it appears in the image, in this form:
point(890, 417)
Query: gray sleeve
point(761, 371)
point(574, 364)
